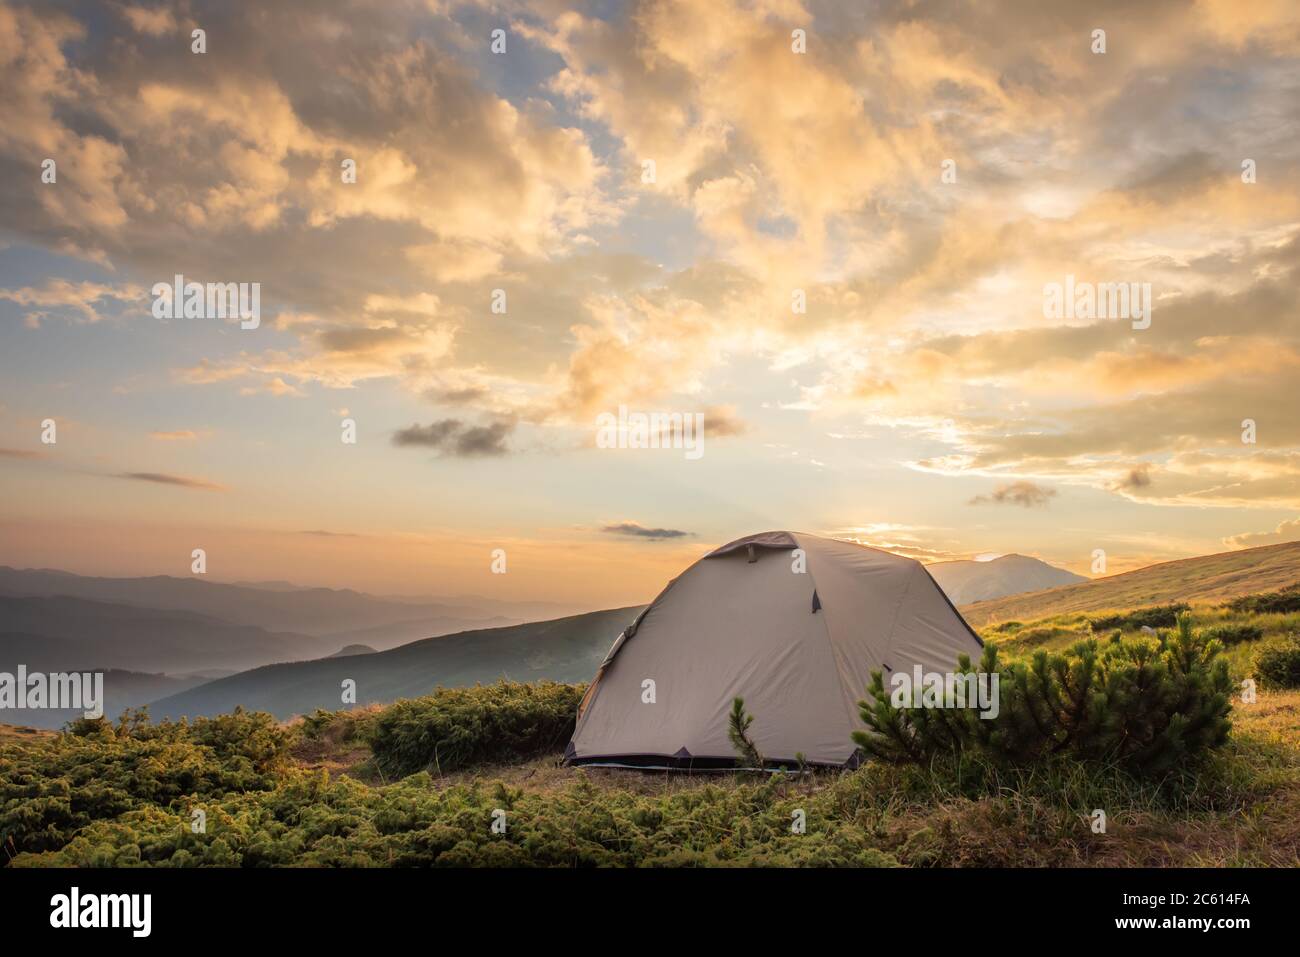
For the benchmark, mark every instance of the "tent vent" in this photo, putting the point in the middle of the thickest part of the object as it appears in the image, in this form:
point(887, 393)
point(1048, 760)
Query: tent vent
point(682, 753)
point(752, 557)
point(817, 602)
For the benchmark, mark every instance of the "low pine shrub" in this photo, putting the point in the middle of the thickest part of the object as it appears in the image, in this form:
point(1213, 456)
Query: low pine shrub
point(1143, 704)
point(98, 770)
point(455, 727)
point(747, 755)
point(1275, 602)
point(1156, 616)
point(1279, 666)
point(1235, 634)
point(339, 727)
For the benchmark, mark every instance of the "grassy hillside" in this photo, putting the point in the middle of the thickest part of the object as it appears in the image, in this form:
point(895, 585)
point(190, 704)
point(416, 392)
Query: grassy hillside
point(566, 649)
point(1206, 578)
point(1244, 634)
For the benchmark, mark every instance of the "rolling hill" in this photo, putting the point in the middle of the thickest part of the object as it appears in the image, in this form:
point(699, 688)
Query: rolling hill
point(1205, 578)
point(392, 634)
point(565, 649)
point(346, 616)
point(965, 582)
point(122, 690)
point(60, 633)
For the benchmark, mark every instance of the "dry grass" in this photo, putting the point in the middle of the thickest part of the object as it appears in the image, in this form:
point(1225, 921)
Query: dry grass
point(20, 733)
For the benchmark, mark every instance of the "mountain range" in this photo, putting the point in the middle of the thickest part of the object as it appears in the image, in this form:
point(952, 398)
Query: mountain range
point(207, 647)
point(53, 633)
point(340, 616)
point(566, 649)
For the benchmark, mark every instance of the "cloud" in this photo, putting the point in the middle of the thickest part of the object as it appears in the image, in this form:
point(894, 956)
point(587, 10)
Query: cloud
point(275, 385)
point(21, 454)
point(83, 299)
point(321, 533)
point(908, 540)
point(637, 530)
point(1285, 532)
point(156, 22)
point(162, 478)
point(1025, 494)
point(180, 435)
point(1138, 477)
point(722, 421)
point(453, 437)
point(455, 396)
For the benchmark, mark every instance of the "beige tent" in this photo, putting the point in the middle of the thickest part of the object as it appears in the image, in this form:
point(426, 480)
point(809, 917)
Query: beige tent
point(792, 623)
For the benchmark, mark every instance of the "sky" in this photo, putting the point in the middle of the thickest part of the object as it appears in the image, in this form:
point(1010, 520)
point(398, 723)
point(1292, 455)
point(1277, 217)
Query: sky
point(831, 230)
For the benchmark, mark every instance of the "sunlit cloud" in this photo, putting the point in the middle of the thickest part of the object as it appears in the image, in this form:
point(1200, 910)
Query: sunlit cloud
point(666, 207)
point(181, 481)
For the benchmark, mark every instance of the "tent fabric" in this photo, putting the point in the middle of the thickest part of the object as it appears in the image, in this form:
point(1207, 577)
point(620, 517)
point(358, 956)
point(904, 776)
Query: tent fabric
point(798, 647)
point(783, 540)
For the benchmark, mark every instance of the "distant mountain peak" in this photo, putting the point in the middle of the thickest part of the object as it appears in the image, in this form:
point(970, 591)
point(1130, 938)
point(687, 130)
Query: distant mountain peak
point(347, 651)
point(968, 580)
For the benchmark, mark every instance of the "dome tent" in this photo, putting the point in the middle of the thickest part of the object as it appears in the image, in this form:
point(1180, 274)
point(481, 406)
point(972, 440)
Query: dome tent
point(796, 636)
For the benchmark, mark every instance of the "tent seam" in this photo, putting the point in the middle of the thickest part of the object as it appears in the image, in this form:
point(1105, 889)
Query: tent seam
point(893, 625)
point(830, 645)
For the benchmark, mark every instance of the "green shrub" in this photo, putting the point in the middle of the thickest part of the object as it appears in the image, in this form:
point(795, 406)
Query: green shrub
point(1145, 704)
point(1156, 616)
point(1275, 602)
point(339, 727)
point(310, 821)
point(1279, 666)
point(458, 726)
point(1235, 634)
point(97, 771)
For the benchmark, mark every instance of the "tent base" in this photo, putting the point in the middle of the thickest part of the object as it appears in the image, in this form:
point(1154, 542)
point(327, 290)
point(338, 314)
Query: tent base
point(665, 762)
